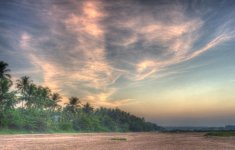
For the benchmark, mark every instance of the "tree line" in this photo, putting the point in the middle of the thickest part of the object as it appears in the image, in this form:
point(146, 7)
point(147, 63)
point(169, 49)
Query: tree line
point(33, 107)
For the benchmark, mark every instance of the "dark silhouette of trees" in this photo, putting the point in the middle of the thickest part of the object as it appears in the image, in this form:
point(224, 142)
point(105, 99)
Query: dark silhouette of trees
point(42, 112)
point(7, 97)
point(4, 70)
point(87, 108)
point(73, 104)
point(5, 84)
point(22, 85)
point(55, 99)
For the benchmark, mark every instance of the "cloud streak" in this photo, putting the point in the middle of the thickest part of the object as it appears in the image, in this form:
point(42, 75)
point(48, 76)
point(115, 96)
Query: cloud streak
point(87, 47)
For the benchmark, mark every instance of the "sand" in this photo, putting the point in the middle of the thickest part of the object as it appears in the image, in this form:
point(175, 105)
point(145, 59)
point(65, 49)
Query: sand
point(103, 141)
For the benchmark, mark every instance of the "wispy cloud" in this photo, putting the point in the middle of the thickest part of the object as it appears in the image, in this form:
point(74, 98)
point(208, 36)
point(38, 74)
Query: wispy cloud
point(87, 64)
point(85, 47)
point(153, 42)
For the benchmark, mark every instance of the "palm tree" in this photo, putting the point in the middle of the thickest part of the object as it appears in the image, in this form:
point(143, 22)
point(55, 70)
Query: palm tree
point(38, 97)
point(31, 97)
point(4, 88)
point(43, 97)
point(7, 98)
point(74, 103)
point(56, 98)
point(22, 85)
point(4, 71)
point(87, 108)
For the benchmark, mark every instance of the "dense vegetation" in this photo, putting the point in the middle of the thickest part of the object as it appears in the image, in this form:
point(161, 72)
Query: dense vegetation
point(221, 133)
point(35, 108)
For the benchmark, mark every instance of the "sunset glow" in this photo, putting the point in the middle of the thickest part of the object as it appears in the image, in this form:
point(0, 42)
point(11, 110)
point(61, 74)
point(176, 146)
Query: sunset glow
point(172, 62)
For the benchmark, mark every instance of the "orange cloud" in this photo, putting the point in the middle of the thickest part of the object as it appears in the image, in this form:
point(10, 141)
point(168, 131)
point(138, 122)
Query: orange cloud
point(93, 71)
point(91, 9)
point(103, 99)
point(91, 67)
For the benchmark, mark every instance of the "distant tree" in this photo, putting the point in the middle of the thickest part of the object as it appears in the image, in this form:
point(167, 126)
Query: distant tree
point(7, 97)
point(73, 104)
point(56, 98)
point(43, 97)
point(87, 108)
point(22, 85)
point(46, 93)
point(40, 112)
point(4, 71)
point(31, 97)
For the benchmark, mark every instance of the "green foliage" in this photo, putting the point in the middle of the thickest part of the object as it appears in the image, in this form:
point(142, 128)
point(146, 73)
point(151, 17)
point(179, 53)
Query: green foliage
point(7, 97)
point(35, 119)
point(4, 71)
point(83, 122)
point(11, 119)
point(119, 139)
point(87, 108)
point(66, 126)
point(221, 133)
point(39, 111)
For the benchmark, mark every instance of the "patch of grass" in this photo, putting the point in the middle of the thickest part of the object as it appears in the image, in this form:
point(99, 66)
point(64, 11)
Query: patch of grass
point(221, 133)
point(5, 131)
point(119, 139)
point(9, 131)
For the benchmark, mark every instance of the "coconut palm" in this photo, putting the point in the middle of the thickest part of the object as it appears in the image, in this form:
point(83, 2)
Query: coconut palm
point(7, 98)
point(31, 97)
point(43, 97)
point(4, 88)
point(87, 108)
point(73, 104)
point(56, 98)
point(4, 71)
point(74, 101)
point(22, 85)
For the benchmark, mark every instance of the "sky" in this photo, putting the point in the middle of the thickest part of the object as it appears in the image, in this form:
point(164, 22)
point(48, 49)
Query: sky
point(172, 62)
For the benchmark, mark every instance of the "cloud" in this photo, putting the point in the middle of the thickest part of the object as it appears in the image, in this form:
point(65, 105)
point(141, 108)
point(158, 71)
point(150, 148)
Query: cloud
point(24, 40)
point(96, 70)
point(103, 99)
point(214, 42)
point(85, 47)
point(80, 62)
point(144, 40)
point(49, 70)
